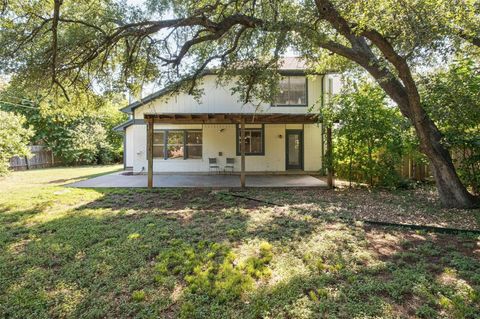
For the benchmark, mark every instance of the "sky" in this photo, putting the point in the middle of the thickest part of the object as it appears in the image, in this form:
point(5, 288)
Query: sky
point(135, 2)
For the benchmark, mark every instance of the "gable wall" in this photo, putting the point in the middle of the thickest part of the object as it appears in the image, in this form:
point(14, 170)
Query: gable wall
point(218, 99)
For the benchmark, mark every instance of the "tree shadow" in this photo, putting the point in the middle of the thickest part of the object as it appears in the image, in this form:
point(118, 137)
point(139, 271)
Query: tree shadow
point(64, 181)
point(421, 276)
point(88, 262)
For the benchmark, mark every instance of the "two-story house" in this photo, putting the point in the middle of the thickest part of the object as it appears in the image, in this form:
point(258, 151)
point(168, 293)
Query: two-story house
point(187, 135)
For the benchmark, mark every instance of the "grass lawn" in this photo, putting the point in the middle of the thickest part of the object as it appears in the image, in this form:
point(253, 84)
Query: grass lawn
point(183, 253)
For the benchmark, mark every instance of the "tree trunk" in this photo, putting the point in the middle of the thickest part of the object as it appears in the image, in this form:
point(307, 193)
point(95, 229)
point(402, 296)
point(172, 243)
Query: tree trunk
point(451, 190)
point(402, 89)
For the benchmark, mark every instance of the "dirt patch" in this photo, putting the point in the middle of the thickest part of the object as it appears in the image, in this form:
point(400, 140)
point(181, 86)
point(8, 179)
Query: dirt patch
point(416, 207)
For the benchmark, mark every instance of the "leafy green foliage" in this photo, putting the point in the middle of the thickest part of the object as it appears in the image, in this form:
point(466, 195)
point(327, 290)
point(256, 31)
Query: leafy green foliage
point(369, 139)
point(79, 131)
point(452, 98)
point(138, 295)
point(14, 138)
point(211, 270)
point(85, 142)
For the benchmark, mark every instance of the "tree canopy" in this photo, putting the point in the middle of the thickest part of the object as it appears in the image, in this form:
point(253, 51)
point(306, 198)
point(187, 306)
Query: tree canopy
point(111, 44)
point(78, 131)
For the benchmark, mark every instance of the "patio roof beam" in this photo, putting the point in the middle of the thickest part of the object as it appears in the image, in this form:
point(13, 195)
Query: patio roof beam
point(232, 118)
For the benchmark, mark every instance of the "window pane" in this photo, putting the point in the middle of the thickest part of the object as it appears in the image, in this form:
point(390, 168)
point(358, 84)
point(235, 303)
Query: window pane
point(194, 137)
point(256, 142)
point(194, 151)
point(158, 145)
point(158, 138)
point(158, 151)
point(253, 141)
point(194, 144)
point(175, 147)
point(293, 91)
point(282, 98)
point(297, 90)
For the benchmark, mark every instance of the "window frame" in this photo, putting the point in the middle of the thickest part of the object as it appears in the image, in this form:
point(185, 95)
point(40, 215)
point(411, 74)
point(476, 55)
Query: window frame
point(185, 148)
point(306, 93)
point(261, 129)
point(186, 144)
point(153, 146)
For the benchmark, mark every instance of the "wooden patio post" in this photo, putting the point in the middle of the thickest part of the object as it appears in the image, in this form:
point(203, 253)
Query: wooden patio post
point(150, 152)
point(242, 152)
point(329, 158)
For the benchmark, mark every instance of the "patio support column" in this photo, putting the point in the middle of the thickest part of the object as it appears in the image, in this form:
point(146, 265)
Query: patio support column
point(242, 152)
point(150, 152)
point(329, 158)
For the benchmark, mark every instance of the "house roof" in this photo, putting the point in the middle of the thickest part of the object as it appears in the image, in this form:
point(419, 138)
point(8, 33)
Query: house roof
point(124, 125)
point(287, 66)
point(129, 108)
point(292, 63)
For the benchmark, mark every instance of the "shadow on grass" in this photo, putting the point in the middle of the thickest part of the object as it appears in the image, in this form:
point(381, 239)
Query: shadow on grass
point(83, 177)
point(174, 247)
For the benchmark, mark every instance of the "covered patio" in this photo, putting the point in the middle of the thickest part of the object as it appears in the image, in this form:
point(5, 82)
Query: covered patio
point(125, 179)
point(240, 119)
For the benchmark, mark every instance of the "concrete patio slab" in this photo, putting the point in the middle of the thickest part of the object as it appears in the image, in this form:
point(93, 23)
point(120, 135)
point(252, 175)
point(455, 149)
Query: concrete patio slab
point(120, 179)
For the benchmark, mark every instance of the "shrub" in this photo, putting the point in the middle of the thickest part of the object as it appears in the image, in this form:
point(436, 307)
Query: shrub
point(85, 142)
point(368, 139)
point(452, 99)
point(14, 138)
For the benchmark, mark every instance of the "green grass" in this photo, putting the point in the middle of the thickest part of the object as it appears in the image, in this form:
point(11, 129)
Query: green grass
point(168, 253)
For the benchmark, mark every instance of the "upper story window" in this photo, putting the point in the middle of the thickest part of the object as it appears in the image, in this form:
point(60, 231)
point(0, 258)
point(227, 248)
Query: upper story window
point(293, 91)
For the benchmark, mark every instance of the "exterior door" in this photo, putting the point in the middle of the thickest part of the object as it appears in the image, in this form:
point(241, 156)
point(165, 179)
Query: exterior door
point(294, 149)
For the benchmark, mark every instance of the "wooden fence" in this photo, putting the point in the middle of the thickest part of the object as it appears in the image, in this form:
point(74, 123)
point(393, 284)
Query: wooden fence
point(41, 157)
point(415, 170)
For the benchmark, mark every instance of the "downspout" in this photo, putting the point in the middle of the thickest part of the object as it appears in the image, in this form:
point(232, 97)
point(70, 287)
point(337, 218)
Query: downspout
point(124, 148)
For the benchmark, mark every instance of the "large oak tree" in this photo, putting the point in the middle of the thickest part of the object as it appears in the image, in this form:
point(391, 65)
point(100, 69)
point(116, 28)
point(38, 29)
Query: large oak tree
point(76, 43)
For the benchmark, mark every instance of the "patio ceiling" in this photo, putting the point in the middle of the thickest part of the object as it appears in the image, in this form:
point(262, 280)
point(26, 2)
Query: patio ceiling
point(232, 118)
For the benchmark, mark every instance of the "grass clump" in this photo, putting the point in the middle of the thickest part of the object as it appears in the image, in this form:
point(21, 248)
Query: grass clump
point(138, 295)
point(211, 272)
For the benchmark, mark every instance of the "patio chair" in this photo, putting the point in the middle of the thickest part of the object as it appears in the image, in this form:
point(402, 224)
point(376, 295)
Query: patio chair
point(213, 165)
point(230, 164)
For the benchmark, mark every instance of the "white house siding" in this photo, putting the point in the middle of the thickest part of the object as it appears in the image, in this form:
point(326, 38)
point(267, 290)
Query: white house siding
point(129, 155)
point(215, 142)
point(219, 99)
point(312, 139)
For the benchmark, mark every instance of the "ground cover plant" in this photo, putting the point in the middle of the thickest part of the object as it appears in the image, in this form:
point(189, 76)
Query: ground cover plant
point(184, 253)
